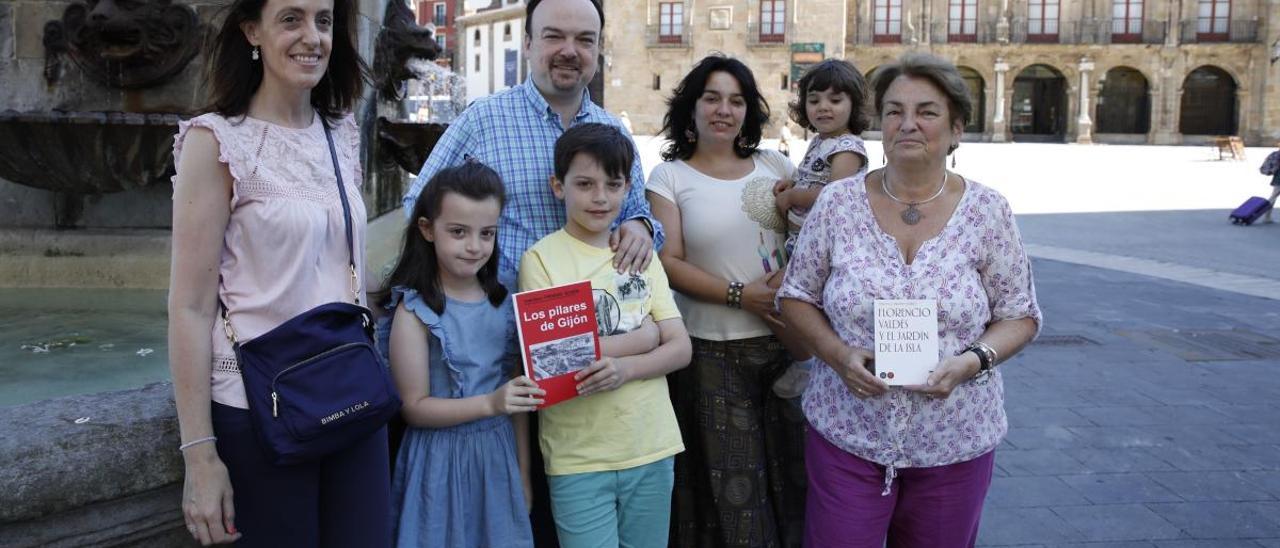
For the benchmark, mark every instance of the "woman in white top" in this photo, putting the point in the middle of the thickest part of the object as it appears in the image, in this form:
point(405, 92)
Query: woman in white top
point(741, 480)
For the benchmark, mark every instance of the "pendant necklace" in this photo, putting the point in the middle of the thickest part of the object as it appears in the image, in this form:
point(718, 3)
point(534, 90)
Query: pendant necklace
point(912, 215)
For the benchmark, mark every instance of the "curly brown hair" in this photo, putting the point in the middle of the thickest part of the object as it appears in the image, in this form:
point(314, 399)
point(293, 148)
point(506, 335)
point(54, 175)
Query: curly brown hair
point(838, 75)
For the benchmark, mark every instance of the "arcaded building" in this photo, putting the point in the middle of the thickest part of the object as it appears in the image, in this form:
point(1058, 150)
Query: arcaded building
point(1112, 71)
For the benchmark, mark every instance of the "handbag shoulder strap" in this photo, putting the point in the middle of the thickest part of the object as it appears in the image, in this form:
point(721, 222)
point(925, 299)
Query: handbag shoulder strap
point(346, 216)
point(346, 220)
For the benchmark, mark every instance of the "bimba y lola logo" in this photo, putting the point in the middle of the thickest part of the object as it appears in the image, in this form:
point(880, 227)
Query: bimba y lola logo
point(348, 411)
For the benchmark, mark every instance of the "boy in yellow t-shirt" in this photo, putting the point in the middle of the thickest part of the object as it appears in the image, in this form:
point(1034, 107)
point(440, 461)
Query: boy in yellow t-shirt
point(609, 452)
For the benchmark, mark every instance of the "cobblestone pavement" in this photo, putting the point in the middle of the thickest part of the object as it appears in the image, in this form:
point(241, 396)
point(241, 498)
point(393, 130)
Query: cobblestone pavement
point(1146, 415)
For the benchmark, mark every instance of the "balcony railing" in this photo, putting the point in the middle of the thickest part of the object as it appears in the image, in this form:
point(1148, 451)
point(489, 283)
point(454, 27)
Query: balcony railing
point(1116, 31)
point(1077, 32)
point(988, 31)
point(758, 37)
point(940, 33)
point(1203, 31)
point(1050, 32)
point(655, 38)
point(888, 38)
point(1086, 31)
point(1018, 30)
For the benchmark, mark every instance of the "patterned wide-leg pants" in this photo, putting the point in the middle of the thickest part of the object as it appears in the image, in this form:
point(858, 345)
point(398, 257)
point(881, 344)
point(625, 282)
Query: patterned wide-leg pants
point(741, 480)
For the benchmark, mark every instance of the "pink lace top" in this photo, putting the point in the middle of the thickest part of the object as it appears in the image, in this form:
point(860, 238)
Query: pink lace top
point(285, 248)
point(977, 270)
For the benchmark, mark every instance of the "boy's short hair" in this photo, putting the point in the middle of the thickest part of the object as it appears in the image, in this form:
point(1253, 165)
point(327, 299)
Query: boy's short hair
point(605, 144)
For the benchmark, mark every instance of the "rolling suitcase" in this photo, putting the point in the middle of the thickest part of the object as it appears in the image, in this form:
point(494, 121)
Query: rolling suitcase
point(1250, 211)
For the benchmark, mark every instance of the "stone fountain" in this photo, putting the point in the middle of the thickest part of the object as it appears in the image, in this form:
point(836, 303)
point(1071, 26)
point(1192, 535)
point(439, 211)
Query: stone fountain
point(91, 92)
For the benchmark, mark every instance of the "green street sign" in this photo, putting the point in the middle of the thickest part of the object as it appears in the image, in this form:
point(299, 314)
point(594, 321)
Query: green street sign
point(805, 55)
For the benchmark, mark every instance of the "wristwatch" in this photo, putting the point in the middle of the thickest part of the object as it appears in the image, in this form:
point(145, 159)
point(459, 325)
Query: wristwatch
point(986, 357)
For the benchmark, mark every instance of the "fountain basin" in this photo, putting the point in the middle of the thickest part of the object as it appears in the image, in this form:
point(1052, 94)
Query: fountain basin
point(59, 342)
point(86, 152)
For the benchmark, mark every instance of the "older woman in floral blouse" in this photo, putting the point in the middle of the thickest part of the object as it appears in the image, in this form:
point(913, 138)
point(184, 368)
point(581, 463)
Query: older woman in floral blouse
point(910, 465)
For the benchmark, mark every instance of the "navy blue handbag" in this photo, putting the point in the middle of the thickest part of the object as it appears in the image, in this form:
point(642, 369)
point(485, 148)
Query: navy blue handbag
point(315, 383)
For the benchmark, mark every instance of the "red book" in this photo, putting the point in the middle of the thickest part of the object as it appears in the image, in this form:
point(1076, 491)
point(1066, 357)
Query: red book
point(557, 328)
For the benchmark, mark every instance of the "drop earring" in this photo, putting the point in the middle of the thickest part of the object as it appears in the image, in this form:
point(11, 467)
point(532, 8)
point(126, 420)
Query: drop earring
point(254, 54)
point(952, 152)
point(691, 135)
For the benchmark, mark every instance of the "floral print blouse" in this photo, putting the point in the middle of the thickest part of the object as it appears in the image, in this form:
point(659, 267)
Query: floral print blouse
point(979, 273)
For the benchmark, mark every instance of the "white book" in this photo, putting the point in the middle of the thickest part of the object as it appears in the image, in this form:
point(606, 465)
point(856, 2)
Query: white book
point(906, 340)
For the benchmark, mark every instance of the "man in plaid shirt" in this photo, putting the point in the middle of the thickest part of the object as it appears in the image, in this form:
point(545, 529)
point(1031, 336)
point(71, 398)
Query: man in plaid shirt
point(514, 132)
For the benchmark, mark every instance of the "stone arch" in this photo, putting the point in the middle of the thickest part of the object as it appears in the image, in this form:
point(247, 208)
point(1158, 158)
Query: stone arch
point(1124, 102)
point(977, 94)
point(1039, 106)
point(1231, 66)
point(871, 104)
point(1130, 63)
point(1209, 103)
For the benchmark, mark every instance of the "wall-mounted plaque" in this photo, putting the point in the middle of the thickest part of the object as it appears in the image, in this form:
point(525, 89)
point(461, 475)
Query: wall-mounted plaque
point(721, 17)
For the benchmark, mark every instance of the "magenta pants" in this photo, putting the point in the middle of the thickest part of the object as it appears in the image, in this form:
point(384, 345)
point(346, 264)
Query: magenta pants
point(939, 506)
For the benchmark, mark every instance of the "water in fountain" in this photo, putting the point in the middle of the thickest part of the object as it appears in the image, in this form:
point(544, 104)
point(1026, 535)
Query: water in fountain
point(436, 95)
point(59, 342)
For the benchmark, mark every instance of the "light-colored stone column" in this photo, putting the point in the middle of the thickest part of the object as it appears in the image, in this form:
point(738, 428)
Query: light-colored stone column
point(998, 131)
point(1084, 124)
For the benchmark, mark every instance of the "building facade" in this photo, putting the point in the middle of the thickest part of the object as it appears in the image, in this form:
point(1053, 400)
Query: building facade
point(1118, 71)
point(440, 15)
point(491, 47)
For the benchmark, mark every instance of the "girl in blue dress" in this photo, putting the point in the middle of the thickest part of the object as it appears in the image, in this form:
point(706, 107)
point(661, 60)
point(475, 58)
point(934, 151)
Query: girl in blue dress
point(461, 476)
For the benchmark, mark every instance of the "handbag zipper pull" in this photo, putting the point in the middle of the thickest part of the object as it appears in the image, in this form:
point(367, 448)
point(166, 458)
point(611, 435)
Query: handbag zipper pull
point(274, 401)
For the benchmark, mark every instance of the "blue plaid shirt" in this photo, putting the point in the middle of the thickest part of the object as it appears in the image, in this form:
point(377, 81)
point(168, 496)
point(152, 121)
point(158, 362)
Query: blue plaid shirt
point(514, 132)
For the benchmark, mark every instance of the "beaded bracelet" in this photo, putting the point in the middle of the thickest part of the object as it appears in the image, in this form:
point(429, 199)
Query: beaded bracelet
point(194, 443)
point(734, 296)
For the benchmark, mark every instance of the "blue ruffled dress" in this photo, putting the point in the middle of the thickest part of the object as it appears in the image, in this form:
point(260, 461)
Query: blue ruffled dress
point(460, 486)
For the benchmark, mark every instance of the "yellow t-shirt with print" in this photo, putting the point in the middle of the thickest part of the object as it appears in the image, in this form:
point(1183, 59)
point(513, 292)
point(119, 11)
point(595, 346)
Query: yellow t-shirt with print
point(624, 428)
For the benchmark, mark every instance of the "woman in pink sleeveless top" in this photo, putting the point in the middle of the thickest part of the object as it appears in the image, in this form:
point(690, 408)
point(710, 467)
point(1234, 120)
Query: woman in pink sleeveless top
point(258, 225)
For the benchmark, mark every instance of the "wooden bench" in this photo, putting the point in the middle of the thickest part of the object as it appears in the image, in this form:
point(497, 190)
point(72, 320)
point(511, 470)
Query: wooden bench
point(1229, 146)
